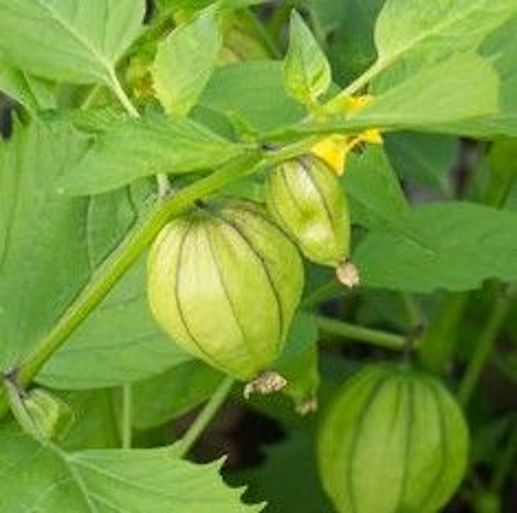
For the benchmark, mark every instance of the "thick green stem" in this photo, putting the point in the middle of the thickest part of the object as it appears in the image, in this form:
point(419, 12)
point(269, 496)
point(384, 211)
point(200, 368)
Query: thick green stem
point(361, 334)
point(204, 418)
point(127, 417)
point(482, 349)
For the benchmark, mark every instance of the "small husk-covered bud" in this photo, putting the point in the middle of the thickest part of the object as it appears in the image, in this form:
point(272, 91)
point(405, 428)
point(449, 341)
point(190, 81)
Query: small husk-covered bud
point(224, 282)
point(40, 414)
point(392, 440)
point(306, 198)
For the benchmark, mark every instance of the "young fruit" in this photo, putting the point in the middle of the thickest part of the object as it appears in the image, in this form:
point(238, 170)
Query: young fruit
point(39, 413)
point(392, 441)
point(224, 282)
point(306, 198)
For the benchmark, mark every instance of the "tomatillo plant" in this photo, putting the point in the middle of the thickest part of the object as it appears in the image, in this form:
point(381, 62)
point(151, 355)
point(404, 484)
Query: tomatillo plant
point(186, 186)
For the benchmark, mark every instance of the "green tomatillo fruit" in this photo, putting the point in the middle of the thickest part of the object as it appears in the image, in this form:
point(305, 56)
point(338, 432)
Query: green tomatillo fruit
point(392, 441)
point(224, 282)
point(306, 198)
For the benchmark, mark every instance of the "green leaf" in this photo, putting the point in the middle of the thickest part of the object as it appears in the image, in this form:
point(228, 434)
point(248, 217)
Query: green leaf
point(458, 90)
point(351, 47)
point(50, 245)
point(448, 97)
point(43, 248)
point(502, 189)
point(329, 14)
point(374, 191)
point(185, 61)
point(500, 49)
point(103, 481)
point(288, 477)
point(261, 103)
point(118, 343)
point(452, 246)
point(299, 363)
point(306, 70)
point(173, 393)
point(416, 35)
point(96, 426)
point(196, 5)
point(33, 93)
point(69, 40)
point(136, 148)
point(423, 159)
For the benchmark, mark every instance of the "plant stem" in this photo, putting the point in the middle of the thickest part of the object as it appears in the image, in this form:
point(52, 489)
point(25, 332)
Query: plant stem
point(505, 463)
point(204, 418)
point(361, 334)
point(360, 82)
point(127, 417)
point(438, 343)
point(415, 314)
point(118, 90)
point(90, 97)
point(121, 95)
point(482, 350)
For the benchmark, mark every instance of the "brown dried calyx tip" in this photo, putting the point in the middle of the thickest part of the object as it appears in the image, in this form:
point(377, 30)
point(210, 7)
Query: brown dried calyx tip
point(309, 405)
point(267, 383)
point(348, 274)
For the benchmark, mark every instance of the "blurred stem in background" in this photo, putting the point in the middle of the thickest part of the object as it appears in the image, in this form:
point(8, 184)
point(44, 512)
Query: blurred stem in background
point(439, 342)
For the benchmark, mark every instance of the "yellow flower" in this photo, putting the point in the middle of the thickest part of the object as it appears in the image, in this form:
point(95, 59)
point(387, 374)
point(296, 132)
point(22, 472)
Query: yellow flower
point(333, 149)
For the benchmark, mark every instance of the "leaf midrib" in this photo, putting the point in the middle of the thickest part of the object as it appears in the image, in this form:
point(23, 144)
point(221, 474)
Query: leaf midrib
point(382, 63)
point(108, 66)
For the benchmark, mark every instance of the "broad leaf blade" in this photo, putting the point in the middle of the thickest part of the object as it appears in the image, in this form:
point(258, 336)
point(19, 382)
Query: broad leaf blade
point(413, 35)
point(103, 481)
point(136, 148)
point(374, 190)
point(277, 481)
point(351, 47)
point(448, 97)
point(118, 343)
point(453, 246)
point(173, 393)
point(69, 40)
point(33, 93)
point(43, 246)
point(306, 71)
point(185, 62)
point(261, 103)
point(500, 49)
point(423, 159)
point(459, 90)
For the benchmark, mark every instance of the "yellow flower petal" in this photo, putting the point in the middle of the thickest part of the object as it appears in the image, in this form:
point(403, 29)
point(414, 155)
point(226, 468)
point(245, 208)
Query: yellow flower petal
point(372, 136)
point(332, 150)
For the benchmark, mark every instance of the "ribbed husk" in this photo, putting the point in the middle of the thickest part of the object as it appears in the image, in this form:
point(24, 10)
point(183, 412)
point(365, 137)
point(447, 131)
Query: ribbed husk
point(224, 282)
point(392, 441)
point(306, 198)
